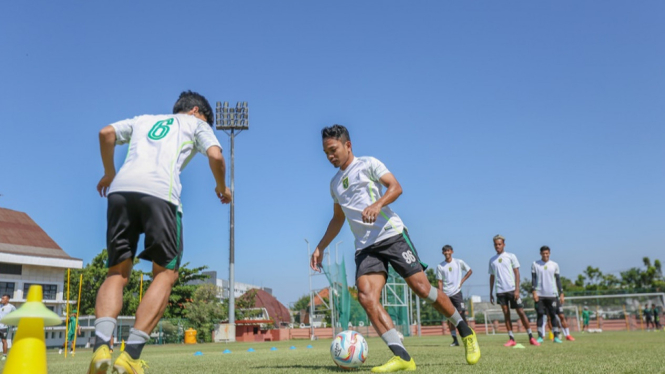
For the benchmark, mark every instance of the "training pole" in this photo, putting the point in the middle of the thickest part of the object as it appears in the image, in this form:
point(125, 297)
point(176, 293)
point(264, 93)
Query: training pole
point(78, 311)
point(67, 314)
point(141, 290)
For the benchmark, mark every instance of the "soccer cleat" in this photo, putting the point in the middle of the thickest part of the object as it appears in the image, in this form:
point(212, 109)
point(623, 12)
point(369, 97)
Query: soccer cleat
point(533, 341)
point(127, 365)
point(101, 360)
point(540, 339)
point(557, 340)
point(511, 343)
point(395, 364)
point(455, 344)
point(570, 337)
point(471, 348)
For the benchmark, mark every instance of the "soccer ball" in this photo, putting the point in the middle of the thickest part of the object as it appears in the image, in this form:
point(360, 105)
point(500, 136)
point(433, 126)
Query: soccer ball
point(349, 350)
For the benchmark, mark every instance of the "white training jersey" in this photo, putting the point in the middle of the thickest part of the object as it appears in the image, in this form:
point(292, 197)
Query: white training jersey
point(451, 274)
point(160, 146)
point(501, 266)
point(546, 278)
point(358, 187)
point(4, 310)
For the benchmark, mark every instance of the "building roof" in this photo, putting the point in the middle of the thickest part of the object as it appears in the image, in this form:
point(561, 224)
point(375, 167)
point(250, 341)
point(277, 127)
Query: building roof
point(20, 235)
point(276, 310)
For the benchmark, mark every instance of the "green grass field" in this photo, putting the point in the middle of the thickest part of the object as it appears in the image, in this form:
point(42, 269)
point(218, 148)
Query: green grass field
point(609, 352)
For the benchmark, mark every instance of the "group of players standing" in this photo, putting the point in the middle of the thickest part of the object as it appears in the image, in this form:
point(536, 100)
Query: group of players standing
point(505, 278)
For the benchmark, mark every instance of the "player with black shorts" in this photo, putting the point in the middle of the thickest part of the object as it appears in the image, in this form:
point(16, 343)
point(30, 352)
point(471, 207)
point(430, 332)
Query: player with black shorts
point(546, 288)
point(144, 198)
point(381, 239)
point(451, 274)
point(504, 270)
point(5, 309)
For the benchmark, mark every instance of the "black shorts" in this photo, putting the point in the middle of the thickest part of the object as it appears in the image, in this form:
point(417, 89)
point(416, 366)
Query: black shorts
point(458, 302)
point(397, 251)
point(508, 298)
point(131, 214)
point(3, 334)
point(548, 306)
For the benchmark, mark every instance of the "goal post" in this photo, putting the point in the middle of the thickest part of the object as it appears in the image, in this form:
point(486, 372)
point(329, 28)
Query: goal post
point(617, 312)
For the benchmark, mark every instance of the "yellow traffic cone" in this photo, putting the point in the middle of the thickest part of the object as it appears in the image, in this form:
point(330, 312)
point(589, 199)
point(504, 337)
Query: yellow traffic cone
point(122, 345)
point(28, 352)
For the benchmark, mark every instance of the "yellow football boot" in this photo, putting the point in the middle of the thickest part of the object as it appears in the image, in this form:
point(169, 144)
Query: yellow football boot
point(126, 365)
point(471, 348)
point(395, 364)
point(101, 360)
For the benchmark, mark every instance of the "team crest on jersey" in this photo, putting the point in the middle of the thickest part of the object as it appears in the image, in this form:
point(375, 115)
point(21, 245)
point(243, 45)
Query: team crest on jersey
point(450, 268)
point(500, 260)
point(345, 183)
point(545, 268)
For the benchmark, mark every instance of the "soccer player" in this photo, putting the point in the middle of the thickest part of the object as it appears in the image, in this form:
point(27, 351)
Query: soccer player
point(144, 198)
point(381, 239)
point(546, 289)
point(585, 319)
point(648, 316)
point(656, 316)
point(73, 328)
point(451, 274)
point(5, 309)
point(504, 270)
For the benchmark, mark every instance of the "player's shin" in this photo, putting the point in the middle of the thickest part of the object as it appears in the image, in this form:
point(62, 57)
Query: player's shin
point(392, 339)
point(455, 318)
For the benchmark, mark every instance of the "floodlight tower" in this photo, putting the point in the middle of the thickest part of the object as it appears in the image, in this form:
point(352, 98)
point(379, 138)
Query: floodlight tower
point(232, 121)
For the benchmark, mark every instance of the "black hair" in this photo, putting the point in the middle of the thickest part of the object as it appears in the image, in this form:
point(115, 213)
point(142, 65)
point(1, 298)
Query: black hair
point(446, 247)
point(544, 248)
point(188, 100)
point(9, 297)
point(338, 132)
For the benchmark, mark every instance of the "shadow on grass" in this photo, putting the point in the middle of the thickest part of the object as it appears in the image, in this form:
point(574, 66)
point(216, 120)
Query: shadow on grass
point(308, 367)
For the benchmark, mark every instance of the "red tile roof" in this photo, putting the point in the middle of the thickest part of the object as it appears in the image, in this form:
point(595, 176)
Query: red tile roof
point(276, 310)
point(20, 235)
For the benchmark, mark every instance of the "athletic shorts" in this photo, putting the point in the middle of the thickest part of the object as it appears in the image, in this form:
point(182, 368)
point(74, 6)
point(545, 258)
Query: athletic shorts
point(70, 337)
point(545, 305)
point(458, 302)
point(3, 333)
point(559, 308)
point(131, 214)
point(397, 251)
point(508, 298)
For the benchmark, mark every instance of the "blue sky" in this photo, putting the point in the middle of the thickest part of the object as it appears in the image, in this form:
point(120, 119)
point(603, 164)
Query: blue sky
point(542, 121)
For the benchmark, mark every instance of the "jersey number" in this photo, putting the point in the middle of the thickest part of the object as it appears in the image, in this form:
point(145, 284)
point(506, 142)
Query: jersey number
point(409, 257)
point(160, 129)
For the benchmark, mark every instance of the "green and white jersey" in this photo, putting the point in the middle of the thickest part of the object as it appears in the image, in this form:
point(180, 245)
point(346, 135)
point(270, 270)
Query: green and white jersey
point(546, 278)
point(358, 187)
point(160, 146)
point(451, 274)
point(501, 266)
point(4, 310)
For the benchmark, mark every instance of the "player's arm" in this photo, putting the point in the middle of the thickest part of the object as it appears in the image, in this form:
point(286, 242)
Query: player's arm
point(393, 190)
point(517, 283)
point(218, 168)
point(107, 139)
point(559, 287)
point(534, 283)
point(333, 229)
point(466, 276)
point(492, 289)
point(440, 286)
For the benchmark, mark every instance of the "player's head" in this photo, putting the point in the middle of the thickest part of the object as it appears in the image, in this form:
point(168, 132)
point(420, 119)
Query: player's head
point(195, 104)
point(337, 145)
point(447, 251)
point(545, 253)
point(499, 243)
point(5, 299)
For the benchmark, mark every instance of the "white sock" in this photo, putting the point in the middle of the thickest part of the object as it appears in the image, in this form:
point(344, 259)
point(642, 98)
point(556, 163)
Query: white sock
point(510, 333)
point(566, 331)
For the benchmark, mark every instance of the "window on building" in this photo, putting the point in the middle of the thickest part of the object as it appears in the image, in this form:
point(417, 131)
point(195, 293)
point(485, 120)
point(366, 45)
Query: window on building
point(7, 288)
point(49, 290)
point(60, 335)
point(11, 269)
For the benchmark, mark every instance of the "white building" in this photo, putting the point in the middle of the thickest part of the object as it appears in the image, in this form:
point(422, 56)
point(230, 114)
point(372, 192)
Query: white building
point(223, 286)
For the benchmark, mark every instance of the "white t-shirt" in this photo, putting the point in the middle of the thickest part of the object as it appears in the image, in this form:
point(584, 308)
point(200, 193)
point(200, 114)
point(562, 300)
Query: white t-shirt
point(501, 266)
point(4, 310)
point(546, 278)
point(358, 187)
point(451, 274)
point(160, 146)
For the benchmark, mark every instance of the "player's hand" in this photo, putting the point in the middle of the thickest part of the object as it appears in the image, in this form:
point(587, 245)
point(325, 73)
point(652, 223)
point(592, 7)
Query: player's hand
point(491, 299)
point(371, 213)
point(224, 194)
point(316, 259)
point(517, 295)
point(535, 297)
point(104, 184)
point(561, 299)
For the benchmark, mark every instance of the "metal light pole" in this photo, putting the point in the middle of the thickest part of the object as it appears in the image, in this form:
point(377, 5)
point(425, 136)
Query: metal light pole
point(232, 121)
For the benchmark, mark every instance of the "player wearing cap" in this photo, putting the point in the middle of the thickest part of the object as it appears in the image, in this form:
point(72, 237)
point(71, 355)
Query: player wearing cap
point(504, 270)
point(381, 239)
point(546, 289)
point(451, 274)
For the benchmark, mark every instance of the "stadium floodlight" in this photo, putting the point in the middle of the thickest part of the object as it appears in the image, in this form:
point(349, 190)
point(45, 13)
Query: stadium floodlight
point(232, 121)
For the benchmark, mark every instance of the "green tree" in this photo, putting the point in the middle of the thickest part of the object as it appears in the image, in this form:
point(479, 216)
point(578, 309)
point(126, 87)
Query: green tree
point(183, 292)
point(300, 305)
point(205, 310)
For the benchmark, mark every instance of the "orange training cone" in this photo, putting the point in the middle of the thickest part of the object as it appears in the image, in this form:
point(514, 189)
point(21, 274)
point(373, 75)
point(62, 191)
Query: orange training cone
point(28, 352)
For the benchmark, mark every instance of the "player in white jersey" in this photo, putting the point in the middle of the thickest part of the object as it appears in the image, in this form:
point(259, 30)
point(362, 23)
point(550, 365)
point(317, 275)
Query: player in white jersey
point(144, 198)
point(381, 239)
point(546, 288)
point(451, 275)
point(5, 309)
point(504, 270)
